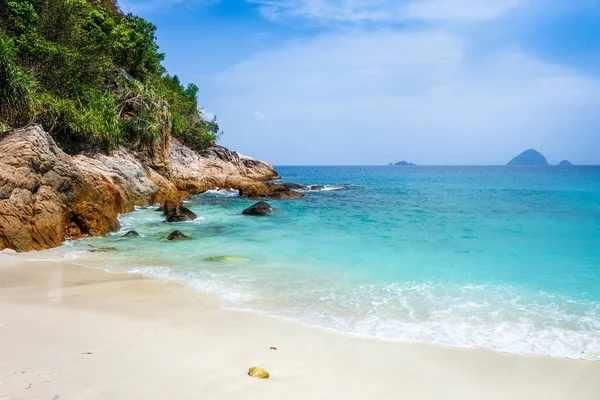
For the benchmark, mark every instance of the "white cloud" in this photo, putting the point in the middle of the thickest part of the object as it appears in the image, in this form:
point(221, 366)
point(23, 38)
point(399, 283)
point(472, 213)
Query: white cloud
point(375, 97)
point(385, 11)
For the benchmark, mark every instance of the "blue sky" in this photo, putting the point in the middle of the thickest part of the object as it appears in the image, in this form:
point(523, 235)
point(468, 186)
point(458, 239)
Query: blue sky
point(375, 81)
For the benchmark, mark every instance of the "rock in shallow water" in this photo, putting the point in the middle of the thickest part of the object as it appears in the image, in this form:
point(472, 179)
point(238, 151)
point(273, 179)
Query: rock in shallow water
point(268, 190)
point(258, 373)
point(294, 186)
point(209, 231)
point(176, 212)
point(228, 259)
point(317, 188)
point(177, 235)
point(131, 234)
point(260, 208)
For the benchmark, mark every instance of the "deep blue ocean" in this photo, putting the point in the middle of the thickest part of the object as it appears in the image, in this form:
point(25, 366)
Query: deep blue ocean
point(503, 258)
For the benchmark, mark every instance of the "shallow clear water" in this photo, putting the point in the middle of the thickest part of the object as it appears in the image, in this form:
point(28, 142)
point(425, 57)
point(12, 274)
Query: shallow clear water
point(497, 257)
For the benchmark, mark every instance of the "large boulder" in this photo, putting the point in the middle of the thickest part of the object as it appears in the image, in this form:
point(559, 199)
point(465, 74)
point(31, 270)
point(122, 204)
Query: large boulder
point(174, 211)
point(44, 196)
point(216, 168)
point(261, 190)
point(177, 235)
point(260, 208)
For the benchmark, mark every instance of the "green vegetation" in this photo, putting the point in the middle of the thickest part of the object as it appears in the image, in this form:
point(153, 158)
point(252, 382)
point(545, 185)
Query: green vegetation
point(92, 76)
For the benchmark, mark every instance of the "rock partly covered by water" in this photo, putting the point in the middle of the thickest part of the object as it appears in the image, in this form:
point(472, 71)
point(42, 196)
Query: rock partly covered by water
point(260, 208)
point(177, 235)
point(267, 190)
point(565, 163)
point(176, 212)
point(131, 234)
point(294, 186)
point(529, 157)
point(218, 168)
point(48, 196)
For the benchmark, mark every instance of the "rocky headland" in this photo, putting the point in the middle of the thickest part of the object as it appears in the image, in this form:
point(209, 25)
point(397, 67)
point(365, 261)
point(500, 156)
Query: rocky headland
point(48, 196)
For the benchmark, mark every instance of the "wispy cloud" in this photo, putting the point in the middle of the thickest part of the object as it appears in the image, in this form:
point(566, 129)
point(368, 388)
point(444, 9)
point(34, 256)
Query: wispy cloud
point(372, 97)
point(385, 11)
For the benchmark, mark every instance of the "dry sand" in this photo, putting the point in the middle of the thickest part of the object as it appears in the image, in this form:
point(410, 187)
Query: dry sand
point(69, 333)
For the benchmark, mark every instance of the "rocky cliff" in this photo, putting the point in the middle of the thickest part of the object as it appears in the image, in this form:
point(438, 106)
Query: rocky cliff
point(47, 196)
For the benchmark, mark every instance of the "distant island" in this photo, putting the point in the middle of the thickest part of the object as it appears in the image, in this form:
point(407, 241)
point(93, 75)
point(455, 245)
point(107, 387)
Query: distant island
point(565, 163)
point(404, 163)
point(529, 157)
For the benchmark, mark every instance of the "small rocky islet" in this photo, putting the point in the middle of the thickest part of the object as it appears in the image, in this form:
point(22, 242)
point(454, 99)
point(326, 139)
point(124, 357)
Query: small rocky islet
point(532, 157)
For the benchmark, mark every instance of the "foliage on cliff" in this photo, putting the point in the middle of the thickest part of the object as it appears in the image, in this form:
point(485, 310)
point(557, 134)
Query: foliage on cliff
point(92, 76)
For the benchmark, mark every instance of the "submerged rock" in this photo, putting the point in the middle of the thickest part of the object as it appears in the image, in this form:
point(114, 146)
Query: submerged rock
point(260, 208)
point(565, 163)
point(212, 231)
point(529, 157)
point(103, 250)
point(227, 259)
point(177, 235)
point(258, 373)
point(131, 234)
point(317, 188)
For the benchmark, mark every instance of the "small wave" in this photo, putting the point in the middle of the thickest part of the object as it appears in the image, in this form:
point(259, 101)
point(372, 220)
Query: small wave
point(462, 316)
point(223, 192)
point(327, 188)
point(497, 318)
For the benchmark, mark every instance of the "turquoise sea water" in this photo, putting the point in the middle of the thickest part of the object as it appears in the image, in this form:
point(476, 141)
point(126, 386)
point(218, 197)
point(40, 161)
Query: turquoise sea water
point(502, 258)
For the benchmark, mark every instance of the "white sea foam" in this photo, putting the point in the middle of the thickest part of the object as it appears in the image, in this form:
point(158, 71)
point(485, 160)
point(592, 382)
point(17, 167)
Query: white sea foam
point(503, 319)
point(417, 313)
point(223, 192)
point(328, 188)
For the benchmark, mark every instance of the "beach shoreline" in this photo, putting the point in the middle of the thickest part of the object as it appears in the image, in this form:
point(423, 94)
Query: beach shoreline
point(83, 333)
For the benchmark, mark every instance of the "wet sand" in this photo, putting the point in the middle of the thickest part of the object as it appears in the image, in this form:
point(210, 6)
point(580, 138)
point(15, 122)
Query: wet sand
point(68, 332)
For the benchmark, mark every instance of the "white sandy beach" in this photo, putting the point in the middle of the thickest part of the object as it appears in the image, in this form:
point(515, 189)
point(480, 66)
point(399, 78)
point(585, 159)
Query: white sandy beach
point(68, 332)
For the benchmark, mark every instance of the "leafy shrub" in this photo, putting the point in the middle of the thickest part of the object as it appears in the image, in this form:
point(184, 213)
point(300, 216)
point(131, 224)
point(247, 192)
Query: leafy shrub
point(98, 76)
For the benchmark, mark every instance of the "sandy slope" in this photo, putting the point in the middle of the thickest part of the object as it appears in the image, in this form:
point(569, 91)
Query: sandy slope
point(73, 333)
